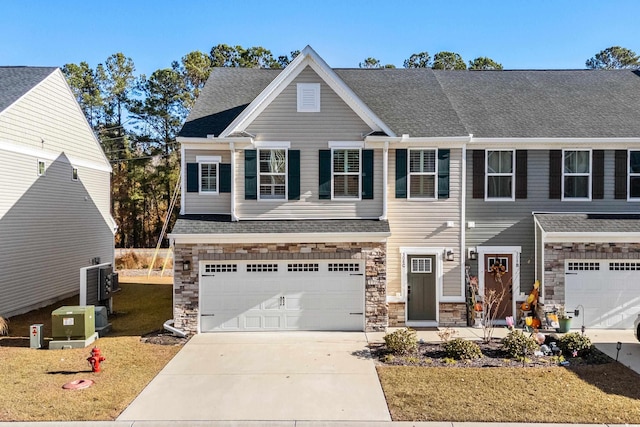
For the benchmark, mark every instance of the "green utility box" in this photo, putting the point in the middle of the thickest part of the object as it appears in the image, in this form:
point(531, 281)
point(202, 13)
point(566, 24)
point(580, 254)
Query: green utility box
point(74, 322)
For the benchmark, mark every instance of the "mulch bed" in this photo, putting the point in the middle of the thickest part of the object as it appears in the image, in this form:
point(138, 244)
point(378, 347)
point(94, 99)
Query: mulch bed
point(433, 355)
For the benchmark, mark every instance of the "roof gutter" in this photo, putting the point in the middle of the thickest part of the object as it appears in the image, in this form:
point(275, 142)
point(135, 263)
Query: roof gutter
point(281, 237)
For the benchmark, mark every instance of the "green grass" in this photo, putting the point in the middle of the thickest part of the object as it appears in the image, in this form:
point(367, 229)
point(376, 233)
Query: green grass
point(31, 380)
point(603, 394)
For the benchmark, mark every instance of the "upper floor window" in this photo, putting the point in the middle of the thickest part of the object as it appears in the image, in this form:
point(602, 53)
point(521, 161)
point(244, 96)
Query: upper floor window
point(208, 177)
point(500, 174)
point(308, 97)
point(634, 174)
point(74, 174)
point(42, 168)
point(273, 173)
point(422, 174)
point(576, 174)
point(346, 173)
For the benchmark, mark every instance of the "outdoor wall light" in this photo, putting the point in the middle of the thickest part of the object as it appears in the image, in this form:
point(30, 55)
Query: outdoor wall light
point(448, 254)
point(186, 265)
point(473, 255)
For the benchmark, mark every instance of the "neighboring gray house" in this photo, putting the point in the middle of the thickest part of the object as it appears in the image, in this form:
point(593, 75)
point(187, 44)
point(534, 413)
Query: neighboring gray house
point(352, 199)
point(55, 199)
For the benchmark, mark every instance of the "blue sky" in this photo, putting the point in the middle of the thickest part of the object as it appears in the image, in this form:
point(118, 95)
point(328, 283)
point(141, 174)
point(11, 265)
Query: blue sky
point(519, 34)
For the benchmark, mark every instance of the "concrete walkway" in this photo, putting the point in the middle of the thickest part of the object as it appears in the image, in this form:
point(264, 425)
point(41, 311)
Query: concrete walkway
point(266, 376)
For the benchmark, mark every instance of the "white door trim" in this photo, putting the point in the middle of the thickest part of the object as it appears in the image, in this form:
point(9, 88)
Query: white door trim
point(515, 252)
point(404, 252)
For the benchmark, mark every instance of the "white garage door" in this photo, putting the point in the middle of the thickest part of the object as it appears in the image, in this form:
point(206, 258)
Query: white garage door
point(608, 290)
point(281, 295)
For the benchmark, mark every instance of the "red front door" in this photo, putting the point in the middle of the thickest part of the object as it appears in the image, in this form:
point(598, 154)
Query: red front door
point(498, 278)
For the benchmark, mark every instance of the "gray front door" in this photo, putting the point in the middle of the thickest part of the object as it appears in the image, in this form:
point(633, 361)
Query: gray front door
point(421, 287)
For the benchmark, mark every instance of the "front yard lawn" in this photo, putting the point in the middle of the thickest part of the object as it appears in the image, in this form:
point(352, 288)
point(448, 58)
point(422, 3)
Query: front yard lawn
point(603, 394)
point(31, 380)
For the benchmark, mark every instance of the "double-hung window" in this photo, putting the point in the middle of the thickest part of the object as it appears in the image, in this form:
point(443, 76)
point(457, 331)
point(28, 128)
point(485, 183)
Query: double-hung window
point(272, 173)
point(346, 173)
point(422, 174)
point(500, 175)
point(208, 171)
point(576, 174)
point(634, 175)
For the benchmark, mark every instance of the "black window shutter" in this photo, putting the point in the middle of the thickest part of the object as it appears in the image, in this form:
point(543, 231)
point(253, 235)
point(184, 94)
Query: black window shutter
point(478, 174)
point(293, 175)
point(192, 178)
point(401, 173)
point(225, 177)
point(367, 174)
point(443, 173)
point(521, 174)
point(620, 191)
point(555, 174)
point(597, 178)
point(250, 174)
point(324, 174)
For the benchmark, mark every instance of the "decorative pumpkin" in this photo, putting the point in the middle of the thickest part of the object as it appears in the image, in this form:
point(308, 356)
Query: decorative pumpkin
point(525, 306)
point(535, 323)
point(478, 306)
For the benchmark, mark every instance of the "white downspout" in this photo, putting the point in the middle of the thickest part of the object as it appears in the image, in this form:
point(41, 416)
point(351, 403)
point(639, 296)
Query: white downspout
point(233, 182)
point(385, 179)
point(463, 217)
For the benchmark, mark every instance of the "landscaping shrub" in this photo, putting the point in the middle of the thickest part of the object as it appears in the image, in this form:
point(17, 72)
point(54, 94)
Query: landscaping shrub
point(459, 348)
point(574, 342)
point(516, 342)
point(402, 341)
point(4, 326)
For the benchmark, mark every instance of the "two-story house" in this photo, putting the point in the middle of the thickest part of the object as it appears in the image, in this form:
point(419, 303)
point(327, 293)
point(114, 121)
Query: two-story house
point(55, 198)
point(352, 199)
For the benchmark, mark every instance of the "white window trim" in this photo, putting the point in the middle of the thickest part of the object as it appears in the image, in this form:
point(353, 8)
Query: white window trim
point(359, 173)
point(512, 175)
point(589, 184)
point(346, 144)
point(629, 175)
point(435, 174)
point(208, 159)
point(74, 174)
point(208, 192)
point(286, 174)
point(273, 145)
point(44, 168)
point(315, 87)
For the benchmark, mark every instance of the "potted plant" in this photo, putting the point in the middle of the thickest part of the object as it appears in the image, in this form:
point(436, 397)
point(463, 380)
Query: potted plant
point(564, 321)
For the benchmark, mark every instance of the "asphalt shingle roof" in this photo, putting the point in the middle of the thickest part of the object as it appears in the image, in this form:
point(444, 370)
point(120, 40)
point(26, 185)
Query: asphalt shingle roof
point(431, 103)
point(16, 81)
point(222, 224)
point(589, 223)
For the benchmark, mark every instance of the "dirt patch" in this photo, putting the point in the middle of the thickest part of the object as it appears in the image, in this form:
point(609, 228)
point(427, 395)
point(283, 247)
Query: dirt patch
point(493, 356)
point(163, 337)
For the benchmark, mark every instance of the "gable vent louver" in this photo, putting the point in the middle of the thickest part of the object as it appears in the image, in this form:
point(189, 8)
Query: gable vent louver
point(308, 97)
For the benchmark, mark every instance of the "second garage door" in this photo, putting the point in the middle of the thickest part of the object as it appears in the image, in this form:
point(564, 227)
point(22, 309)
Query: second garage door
point(281, 295)
point(608, 290)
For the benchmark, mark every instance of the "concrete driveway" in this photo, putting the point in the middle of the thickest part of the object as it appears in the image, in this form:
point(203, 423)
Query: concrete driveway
point(606, 341)
point(266, 376)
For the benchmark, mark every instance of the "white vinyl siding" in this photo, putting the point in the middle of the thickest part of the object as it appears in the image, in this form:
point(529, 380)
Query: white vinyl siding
point(204, 203)
point(422, 225)
point(500, 178)
point(50, 228)
point(346, 178)
point(308, 133)
point(272, 174)
point(576, 174)
point(634, 175)
point(423, 174)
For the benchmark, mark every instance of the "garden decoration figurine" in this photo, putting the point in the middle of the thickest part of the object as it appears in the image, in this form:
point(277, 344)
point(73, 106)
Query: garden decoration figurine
point(509, 320)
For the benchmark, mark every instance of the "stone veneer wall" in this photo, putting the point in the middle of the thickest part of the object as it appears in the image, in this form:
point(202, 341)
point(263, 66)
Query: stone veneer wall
point(555, 255)
point(451, 314)
point(186, 286)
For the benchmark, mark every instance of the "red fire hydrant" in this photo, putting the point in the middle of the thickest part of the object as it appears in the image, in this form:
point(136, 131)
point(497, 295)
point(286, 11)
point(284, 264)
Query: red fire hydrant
point(95, 359)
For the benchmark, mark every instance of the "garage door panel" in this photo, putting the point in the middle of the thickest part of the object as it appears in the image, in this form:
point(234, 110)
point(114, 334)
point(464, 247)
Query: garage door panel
point(608, 290)
point(283, 295)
